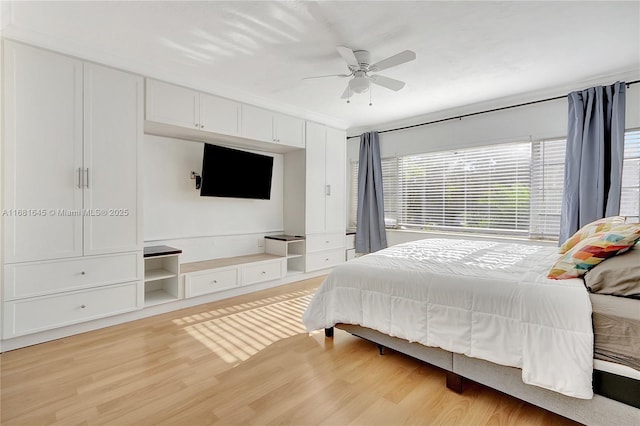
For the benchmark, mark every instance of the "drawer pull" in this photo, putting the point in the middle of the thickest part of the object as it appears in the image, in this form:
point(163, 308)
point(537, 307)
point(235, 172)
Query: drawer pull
point(83, 306)
point(263, 272)
point(326, 259)
point(215, 282)
point(83, 273)
point(327, 242)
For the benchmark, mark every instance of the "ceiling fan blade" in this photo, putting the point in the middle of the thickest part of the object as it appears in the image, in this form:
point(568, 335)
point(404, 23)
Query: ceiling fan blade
point(389, 83)
point(348, 56)
point(394, 60)
point(347, 92)
point(330, 75)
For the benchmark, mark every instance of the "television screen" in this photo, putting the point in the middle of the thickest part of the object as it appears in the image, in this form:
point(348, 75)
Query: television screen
point(233, 173)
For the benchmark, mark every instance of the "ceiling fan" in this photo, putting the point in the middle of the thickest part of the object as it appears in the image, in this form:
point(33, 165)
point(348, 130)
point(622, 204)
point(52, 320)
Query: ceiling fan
point(360, 71)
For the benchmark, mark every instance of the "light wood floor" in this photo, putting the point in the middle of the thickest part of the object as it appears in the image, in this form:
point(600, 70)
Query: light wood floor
point(245, 360)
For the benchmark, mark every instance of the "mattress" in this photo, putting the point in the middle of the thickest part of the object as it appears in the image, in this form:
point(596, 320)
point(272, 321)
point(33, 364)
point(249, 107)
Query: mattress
point(616, 329)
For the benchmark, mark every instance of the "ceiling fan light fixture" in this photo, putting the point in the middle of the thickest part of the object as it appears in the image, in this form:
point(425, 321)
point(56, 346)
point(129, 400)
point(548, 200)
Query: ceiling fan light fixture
point(359, 84)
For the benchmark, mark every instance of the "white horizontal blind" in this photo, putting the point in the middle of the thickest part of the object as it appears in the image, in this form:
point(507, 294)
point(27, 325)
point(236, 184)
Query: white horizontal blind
point(547, 186)
point(480, 189)
point(512, 189)
point(630, 200)
point(353, 208)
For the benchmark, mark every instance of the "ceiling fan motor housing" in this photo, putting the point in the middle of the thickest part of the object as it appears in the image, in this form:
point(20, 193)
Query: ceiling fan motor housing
point(363, 57)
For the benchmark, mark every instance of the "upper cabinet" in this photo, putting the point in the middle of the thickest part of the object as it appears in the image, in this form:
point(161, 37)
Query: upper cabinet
point(113, 132)
point(325, 179)
point(180, 112)
point(268, 126)
point(42, 154)
point(71, 152)
point(219, 115)
point(178, 106)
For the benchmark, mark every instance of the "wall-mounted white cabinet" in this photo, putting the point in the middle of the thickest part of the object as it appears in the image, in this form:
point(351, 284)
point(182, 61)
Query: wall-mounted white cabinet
point(42, 161)
point(268, 126)
point(72, 140)
point(315, 189)
point(179, 106)
point(203, 115)
point(325, 179)
point(71, 190)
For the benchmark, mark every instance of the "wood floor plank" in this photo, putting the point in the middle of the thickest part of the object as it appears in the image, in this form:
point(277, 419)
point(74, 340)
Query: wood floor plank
point(246, 360)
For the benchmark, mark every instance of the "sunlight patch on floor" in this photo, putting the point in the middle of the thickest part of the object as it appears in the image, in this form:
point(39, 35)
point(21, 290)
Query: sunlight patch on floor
point(236, 333)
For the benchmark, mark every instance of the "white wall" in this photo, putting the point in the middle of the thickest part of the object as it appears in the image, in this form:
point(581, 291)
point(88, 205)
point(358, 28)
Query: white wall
point(539, 121)
point(203, 227)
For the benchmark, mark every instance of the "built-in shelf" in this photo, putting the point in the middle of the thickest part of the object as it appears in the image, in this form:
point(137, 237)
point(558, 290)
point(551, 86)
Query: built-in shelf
point(158, 274)
point(289, 246)
point(156, 297)
point(161, 275)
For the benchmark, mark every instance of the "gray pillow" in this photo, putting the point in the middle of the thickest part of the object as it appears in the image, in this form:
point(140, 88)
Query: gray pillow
point(618, 275)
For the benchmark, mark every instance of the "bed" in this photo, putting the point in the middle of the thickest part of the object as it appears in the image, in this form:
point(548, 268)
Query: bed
point(486, 311)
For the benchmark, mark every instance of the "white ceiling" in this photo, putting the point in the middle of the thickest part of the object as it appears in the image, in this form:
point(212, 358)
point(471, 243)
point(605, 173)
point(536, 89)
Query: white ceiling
point(259, 52)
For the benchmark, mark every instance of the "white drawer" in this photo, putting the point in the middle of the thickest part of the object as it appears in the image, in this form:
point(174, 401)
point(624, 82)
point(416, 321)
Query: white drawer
point(26, 316)
point(321, 242)
point(263, 271)
point(205, 282)
point(351, 241)
point(40, 278)
point(325, 259)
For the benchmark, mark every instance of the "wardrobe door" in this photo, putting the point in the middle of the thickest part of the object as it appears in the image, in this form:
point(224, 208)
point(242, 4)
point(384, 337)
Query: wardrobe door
point(42, 177)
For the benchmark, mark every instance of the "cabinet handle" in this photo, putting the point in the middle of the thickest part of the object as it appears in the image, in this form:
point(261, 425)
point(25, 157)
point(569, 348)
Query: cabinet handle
point(83, 306)
point(87, 172)
point(263, 272)
point(80, 183)
point(83, 273)
point(197, 125)
point(328, 189)
point(202, 126)
point(215, 281)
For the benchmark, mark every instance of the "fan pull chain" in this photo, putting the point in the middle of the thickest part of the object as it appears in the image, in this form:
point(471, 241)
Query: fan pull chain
point(370, 91)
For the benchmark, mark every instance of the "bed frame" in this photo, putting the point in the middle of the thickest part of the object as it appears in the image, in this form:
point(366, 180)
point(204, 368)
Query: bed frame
point(600, 410)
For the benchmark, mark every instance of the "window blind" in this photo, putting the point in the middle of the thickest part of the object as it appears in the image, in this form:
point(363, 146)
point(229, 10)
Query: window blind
point(630, 199)
point(509, 189)
point(472, 189)
point(547, 186)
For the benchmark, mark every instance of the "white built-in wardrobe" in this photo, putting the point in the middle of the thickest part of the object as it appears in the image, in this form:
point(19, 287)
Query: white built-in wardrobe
point(71, 230)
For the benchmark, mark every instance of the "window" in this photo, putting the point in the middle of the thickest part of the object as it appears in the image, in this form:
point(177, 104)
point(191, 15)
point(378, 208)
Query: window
point(473, 189)
point(630, 200)
point(547, 186)
point(509, 189)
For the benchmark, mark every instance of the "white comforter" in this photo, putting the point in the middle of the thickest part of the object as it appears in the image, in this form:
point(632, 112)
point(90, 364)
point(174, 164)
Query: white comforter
point(483, 299)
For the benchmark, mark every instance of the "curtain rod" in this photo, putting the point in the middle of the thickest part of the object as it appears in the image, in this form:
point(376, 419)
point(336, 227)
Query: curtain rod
point(460, 117)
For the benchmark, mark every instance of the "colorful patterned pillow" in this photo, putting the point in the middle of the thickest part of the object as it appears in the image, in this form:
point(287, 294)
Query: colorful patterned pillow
point(592, 250)
point(595, 227)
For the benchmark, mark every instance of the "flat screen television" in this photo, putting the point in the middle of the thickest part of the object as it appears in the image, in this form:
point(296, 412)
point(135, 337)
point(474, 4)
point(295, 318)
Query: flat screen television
point(232, 173)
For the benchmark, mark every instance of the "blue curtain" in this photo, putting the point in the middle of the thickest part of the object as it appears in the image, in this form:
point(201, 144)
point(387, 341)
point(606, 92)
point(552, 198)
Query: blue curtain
point(370, 231)
point(595, 152)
